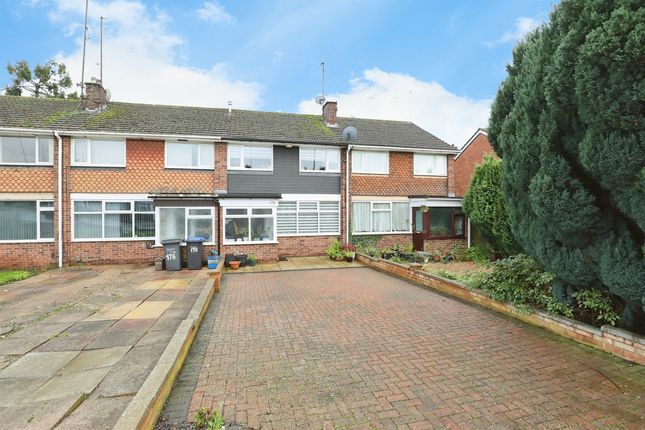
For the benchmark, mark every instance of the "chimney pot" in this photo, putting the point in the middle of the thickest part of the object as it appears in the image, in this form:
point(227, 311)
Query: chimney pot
point(95, 96)
point(329, 113)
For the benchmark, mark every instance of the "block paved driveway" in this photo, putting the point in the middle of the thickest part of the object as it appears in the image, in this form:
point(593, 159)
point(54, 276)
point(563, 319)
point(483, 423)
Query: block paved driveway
point(354, 348)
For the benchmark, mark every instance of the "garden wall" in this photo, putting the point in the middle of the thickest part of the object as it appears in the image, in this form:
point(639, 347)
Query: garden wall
point(621, 343)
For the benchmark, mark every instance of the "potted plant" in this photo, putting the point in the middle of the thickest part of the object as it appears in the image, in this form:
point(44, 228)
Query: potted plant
point(350, 256)
point(436, 256)
point(252, 260)
point(159, 263)
point(235, 264)
point(334, 250)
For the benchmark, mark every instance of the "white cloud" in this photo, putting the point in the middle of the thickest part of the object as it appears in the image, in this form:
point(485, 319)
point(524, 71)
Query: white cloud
point(213, 12)
point(140, 58)
point(523, 26)
point(382, 95)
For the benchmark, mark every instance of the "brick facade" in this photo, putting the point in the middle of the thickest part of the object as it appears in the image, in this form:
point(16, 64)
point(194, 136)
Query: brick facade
point(465, 163)
point(444, 246)
point(301, 246)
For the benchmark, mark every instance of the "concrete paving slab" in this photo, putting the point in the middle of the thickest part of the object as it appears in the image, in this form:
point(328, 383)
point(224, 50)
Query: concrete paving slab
point(38, 415)
point(96, 414)
point(95, 359)
point(90, 326)
point(63, 342)
point(114, 312)
point(148, 309)
point(152, 285)
point(155, 337)
point(38, 364)
point(14, 389)
point(20, 346)
point(42, 329)
point(176, 283)
point(116, 338)
point(68, 384)
point(133, 324)
point(68, 315)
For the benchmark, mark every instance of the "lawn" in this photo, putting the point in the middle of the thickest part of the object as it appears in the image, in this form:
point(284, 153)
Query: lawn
point(7, 276)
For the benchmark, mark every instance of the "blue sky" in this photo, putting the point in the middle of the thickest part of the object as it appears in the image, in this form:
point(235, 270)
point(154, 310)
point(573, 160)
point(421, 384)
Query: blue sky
point(436, 63)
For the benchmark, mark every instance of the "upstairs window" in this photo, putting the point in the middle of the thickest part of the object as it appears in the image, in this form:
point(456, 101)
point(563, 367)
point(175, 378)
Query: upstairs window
point(98, 153)
point(246, 157)
point(430, 164)
point(180, 155)
point(372, 162)
point(319, 160)
point(26, 150)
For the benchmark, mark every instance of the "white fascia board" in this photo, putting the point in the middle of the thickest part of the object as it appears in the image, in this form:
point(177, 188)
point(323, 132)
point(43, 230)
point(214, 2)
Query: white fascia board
point(474, 136)
point(312, 197)
point(397, 149)
point(437, 202)
point(26, 196)
point(108, 196)
point(247, 203)
point(84, 133)
point(380, 199)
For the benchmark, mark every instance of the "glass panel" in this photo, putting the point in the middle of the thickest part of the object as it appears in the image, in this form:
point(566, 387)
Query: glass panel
point(440, 221)
point(262, 211)
point(199, 212)
point(333, 160)
point(430, 164)
point(88, 226)
point(320, 159)
point(329, 222)
point(381, 206)
point(171, 223)
point(400, 216)
point(237, 229)
point(18, 149)
point(381, 222)
point(361, 217)
point(287, 223)
point(46, 204)
point(47, 225)
point(370, 162)
point(207, 155)
point(18, 220)
point(118, 225)
point(87, 206)
point(306, 159)
point(459, 225)
point(308, 206)
point(235, 211)
point(117, 206)
point(45, 150)
point(178, 155)
point(329, 206)
point(257, 157)
point(144, 225)
point(144, 207)
point(235, 156)
point(81, 151)
point(200, 228)
point(262, 229)
point(418, 220)
point(307, 222)
point(108, 152)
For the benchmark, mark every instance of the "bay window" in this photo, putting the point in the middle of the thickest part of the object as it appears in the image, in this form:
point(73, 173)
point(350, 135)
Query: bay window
point(26, 150)
point(184, 155)
point(372, 162)
point(185, 222)
point(307, 218)
point(380, 217)
point(26, 221)
point(319, 159)
point(430, 164)
point(249, 225)
point(98, 153)
point(250, 157)
point(113, 220)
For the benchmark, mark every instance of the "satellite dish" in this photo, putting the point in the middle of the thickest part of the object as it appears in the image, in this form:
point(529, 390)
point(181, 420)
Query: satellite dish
point(320, 100)
point(108, 95)
point(350, 133)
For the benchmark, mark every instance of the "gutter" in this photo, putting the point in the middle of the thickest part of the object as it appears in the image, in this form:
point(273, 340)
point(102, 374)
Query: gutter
point(407, 149)
point(60, 198)
point(82, 133)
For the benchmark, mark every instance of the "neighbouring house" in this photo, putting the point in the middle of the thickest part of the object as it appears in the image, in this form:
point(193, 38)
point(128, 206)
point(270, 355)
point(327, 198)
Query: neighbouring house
point(471, 154)
point(100, 182)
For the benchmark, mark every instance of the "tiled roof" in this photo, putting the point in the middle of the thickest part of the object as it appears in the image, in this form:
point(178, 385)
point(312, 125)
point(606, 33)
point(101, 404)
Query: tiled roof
point(134, 118)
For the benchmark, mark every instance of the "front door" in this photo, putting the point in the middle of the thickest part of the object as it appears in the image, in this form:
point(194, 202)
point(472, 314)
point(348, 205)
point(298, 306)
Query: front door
point(420, 224)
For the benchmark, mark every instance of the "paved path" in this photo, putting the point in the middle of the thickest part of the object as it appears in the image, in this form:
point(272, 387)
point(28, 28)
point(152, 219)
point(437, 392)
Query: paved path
point(83, 341)
point(355, 348)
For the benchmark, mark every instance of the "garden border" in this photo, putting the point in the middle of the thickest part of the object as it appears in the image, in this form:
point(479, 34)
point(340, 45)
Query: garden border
point(621, 343)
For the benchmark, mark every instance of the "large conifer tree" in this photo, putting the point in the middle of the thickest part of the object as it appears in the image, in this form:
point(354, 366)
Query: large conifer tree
point(568, 122)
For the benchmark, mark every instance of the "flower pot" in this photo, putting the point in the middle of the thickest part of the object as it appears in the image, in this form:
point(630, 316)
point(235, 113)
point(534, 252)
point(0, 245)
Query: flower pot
point(349, 258)
point(339, 258)
point(251, 263)
point(234, 264)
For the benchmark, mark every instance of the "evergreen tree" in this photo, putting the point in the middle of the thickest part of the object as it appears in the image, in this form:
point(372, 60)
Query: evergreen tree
point(486, 208)
point(568, 124)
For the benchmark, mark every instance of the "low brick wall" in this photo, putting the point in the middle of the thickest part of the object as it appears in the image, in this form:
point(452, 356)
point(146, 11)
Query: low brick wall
point(621, 343)
point(28, 255)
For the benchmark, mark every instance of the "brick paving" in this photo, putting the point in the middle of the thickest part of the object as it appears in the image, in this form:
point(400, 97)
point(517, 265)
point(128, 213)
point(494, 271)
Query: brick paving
point(354, 348)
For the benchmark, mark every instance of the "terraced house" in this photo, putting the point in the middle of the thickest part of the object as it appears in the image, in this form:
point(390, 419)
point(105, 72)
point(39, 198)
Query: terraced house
point(106, 182)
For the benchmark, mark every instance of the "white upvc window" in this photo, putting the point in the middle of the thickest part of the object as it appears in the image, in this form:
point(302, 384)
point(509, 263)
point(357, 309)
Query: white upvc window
point(381, 217)
point(98, 152)
point(430, 164)
point(185, 222)
point(315, 159)
point(26, 221)
point(371, 162)
point(190, 155)
point(250, 157)
point(308, 218)
point(113, 220)
point(244, 225)
point(19, 150)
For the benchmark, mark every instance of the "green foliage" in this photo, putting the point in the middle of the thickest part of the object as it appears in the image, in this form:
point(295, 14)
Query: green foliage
point(335, 250)
point(205, 419)
point(7, 276)
point(49, 80)
point(364, 242)
point(568, 124)
point(485, 206)
point(595, 306)
point(460, 253)
point(479, 253)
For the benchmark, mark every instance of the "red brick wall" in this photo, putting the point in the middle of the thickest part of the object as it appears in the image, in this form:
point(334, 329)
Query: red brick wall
point(120, 252)
point(27, 255)
point(401, 180)
point(466, 162)
point(444, 246)
point(295, 246)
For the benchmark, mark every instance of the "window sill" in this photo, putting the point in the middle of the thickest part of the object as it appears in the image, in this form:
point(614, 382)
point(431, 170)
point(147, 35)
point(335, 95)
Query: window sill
point(370, 174)
point(321, 172)
point(419, 175)
point(116, 239)
point(266, 242)
point(95, 167)
point(7, 242)
point(190, 169)
point(159, 245)
point(309, 234)
point(382, 232)
point(26, 165)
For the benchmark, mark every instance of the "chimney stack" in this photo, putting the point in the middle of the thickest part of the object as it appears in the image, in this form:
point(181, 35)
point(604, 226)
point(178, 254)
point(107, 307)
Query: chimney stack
point(329, 113)
point(95, 98)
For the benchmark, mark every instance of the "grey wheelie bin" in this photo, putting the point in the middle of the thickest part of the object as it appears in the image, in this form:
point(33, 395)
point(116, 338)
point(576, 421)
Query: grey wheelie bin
point(172, 253)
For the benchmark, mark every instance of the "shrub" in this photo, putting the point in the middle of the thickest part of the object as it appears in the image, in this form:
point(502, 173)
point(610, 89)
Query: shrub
point(479, 253)
point(595, 307)
point(205, 419)
point(335, 250)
